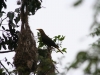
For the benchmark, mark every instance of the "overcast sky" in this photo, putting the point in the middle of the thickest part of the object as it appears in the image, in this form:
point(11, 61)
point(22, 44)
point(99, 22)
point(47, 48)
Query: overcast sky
point(60, 17)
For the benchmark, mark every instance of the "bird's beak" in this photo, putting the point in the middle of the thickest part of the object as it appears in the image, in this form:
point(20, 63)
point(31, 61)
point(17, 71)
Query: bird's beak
point(37, 29)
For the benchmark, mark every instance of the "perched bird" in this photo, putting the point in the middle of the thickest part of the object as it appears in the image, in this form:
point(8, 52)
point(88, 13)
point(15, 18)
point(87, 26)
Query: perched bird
point(48, 41)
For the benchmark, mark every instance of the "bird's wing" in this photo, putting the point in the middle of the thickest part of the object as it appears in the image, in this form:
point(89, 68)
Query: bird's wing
point(48, 41)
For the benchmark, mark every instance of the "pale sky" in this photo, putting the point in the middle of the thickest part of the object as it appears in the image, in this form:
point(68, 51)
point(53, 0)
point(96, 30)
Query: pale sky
point(60, 17)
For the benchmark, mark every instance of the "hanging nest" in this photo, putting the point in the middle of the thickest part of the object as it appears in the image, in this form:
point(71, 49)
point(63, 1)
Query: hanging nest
point(46, 65)
point(26, 52)
point(25, 59)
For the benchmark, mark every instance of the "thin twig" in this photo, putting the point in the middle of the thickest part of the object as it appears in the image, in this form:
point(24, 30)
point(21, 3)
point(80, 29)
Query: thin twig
point(4, 68)
point(6, 51)
point(2, 20)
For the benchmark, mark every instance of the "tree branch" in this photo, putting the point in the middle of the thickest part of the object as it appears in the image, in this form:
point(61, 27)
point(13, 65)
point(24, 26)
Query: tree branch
point(2, 21)
point(4, 68)
point(6, 51)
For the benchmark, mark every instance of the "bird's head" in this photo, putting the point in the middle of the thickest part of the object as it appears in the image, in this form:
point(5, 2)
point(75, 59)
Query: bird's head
point(41, 31)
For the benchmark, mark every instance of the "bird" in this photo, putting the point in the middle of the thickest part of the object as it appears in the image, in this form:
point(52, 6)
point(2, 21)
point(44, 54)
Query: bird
point(47, 40)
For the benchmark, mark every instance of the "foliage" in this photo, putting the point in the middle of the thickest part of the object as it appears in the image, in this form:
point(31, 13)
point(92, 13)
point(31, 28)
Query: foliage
point(10, 36)
point(1, 72)
point(92, 55)
point(46, 64)
point(58, 39)
point(2, 4)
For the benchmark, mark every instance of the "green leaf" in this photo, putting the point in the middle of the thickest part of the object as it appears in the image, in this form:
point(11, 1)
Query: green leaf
point(8, 63)
point(62, 38)
point(54, 39)
point(10, 15)
point(5, 59)
point(87, 69)
point(13, 25)
point(82, 56)
point(64, 50)
point(59, 36)
point(74, 65)
point(4, 73)
point(17, 10)
point(3, 28)
point(1, 71)
point(78, 2)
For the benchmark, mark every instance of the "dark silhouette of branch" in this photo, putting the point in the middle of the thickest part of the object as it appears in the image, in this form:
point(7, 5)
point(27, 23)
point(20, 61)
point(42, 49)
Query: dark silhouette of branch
point(6, 51)
point(2, 20)
point(4, 68)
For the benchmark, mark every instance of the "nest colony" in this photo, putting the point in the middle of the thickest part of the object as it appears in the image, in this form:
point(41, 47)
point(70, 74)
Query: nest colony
point(25, 59)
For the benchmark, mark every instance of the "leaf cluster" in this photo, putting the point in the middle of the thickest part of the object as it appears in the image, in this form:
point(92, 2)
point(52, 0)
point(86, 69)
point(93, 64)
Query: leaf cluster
point(9, 35)
point(2, 71)
point(2, 4)
point(92, 55)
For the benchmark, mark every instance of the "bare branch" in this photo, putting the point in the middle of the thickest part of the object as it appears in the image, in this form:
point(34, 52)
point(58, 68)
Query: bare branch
point(4, 68)
point(2, 20)
point(6, 51)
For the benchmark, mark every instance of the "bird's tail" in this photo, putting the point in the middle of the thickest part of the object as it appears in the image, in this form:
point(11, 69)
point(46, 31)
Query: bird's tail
point(60, 50)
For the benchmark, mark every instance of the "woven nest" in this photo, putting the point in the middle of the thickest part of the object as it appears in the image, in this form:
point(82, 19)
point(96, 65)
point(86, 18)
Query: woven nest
point(25, 59)
point(26, 52)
